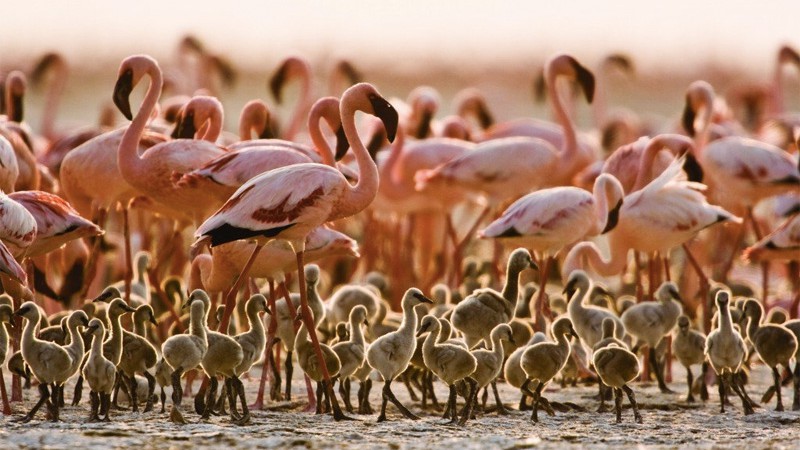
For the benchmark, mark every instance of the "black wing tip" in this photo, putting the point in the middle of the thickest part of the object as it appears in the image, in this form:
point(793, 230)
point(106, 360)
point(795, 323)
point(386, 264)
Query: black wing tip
point(226, 233)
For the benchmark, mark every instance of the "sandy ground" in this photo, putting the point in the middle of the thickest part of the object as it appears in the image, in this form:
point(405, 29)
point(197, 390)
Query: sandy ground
point(669, 422)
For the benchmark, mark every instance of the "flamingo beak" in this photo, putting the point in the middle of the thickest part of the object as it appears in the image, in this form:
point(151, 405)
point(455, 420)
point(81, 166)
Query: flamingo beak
point(386, 112)
point(185, 128)
point(341, 144)
point(122, 92)
point(277, 81)
point(687, 119)
point(585, 79)
point(613, 218)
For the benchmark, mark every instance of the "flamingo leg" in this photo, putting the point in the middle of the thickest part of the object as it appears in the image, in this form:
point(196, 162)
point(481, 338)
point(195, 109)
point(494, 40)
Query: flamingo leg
point(308, 321)
point(6, 405)
point(273, 326)
point(765, 263)
point(230, 299)
point(126, 230)
point(458, 252)
point(704, 288)
point(638, 277)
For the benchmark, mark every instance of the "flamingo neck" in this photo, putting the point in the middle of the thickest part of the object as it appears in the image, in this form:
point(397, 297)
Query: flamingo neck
point(116, 339)
point(29, 332)
point(570, 144)
point(563, 344)
point(130, 164)
point(315, 132)
point(390, 172)
point(200, 275)
point(357, 197)
point(213, 127)
point(725, 321)
point(511, 288)
point(588, 252)
point(303, 104)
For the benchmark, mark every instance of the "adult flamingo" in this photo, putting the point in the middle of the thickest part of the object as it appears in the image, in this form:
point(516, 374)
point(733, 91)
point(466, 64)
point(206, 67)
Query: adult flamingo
point(580, 152)
point(666, 213)
point(739, 171)
point(150, 173)
point(289, 202)
point(548, 220)
point(223, 175)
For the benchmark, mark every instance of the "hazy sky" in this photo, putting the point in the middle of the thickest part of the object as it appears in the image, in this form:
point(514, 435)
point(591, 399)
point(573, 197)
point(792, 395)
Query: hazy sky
point(662, 34)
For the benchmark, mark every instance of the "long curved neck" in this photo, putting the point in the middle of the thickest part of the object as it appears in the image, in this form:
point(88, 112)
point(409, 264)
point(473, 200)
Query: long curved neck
point(357, 197)
point(327, 109)
point(138, 324)
point(315, 304)
point(29, 332)
point(213, 126)
point(602, 206)
point(587, 253)
point(570, 145)
point(200, 275)
point(563, 343)
point(141, 268)
point(390, 171)
point(128, 157)
point(575, 305)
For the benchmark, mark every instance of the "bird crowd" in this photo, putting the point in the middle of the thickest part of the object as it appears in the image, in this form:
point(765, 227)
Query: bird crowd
point(165, 252)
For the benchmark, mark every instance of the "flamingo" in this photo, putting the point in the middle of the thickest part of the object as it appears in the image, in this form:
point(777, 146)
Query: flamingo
point(343, 75)
point(666, 213)
point(289, 202)
point(51, 63)
point(739, 171)
point(548, 220)
point(577, 152)
point(223, 175)
point(18, 133)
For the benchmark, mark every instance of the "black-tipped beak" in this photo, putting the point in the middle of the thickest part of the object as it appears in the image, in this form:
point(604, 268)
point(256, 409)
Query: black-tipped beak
point(185, 128)
point(19, 108)
point(122, 92)
point(687, 119)
point(424, 128)
point(342, 144)
point(153, 321)
point(694, 172)
point(298, 317)
point(84, 321)
point(533, 265)
point(186, 304)
point(613, 218)
point(129, 308)
point(277, 81)
point(92, 328)
point(511, 340)
point(573, 333)
point(585, 79)
point(422, 298)
point(386, 112)
point(18, 313)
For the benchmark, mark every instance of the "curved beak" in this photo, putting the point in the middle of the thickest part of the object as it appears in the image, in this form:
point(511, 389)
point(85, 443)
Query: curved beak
point(103, 297)
point(422, 298)
point(388, 115)
point(122, 92)
point(342, 144)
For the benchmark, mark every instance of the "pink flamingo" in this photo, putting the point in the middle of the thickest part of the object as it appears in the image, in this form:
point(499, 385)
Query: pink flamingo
point(580, 152)
point(150, 173)
point(9, 169)
point(289, 202)
point(223, 175)
point(666, 213)
point(18, 133)
point(549, 220)
point(739, 171)
point(418, 112)
point(17, 225)
point(343, 75)
point(54, 64)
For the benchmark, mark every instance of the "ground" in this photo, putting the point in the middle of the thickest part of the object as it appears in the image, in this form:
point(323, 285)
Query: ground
point(669, 422)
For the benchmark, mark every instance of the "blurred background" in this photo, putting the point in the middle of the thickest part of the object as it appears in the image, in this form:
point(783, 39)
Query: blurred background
point(498, 46)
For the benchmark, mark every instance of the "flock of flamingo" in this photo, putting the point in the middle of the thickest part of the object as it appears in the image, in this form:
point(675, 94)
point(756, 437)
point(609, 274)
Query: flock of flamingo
point(391, 227)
